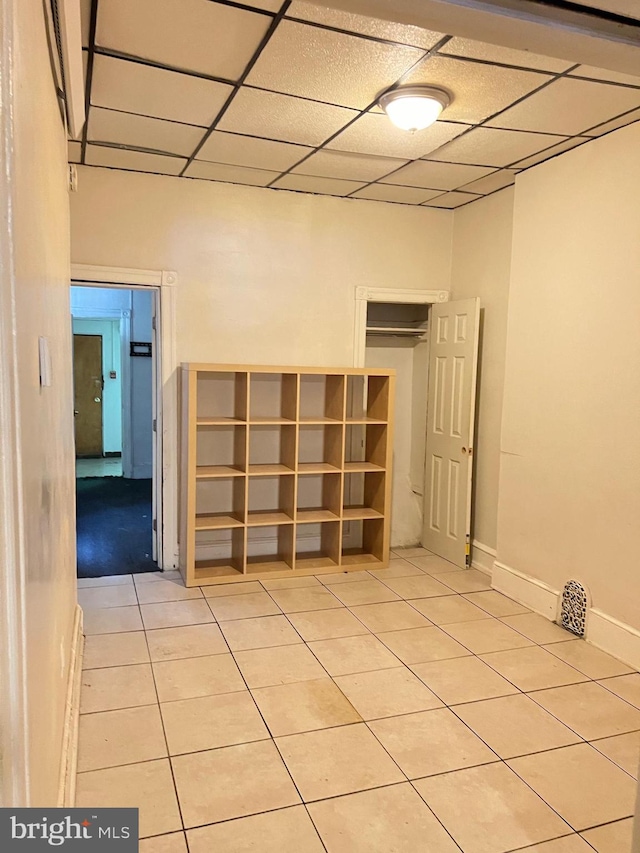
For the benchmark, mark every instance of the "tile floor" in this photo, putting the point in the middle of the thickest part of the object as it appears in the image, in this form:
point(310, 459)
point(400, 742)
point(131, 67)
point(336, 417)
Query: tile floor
point(396, 711)
point(109, 466)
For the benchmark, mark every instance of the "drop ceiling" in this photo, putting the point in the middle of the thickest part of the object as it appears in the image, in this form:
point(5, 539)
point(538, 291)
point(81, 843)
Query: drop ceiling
point(283, 95)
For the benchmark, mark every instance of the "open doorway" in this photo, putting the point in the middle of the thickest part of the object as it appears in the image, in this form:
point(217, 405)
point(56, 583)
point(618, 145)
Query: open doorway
point(114, 370)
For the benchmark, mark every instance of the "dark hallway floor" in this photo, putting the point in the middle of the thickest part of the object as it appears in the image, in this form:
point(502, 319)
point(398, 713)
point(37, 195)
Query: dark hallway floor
point(113, 526)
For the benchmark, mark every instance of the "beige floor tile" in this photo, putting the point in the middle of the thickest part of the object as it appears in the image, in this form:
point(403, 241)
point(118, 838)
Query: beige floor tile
point(111, 620)
point(611, 838)
point(345, 655)
point(433, 565)
point(365, 592)
point(587, 659)
point(460, 680)
point(98, 597)
point(283, 831)
point(173, 843)
point(409, 553)
point(114, 650)
point(259, 633)
point(417, 586)
point(108, 580)
point(496, 603)
point(249, 778)
point(390, 616)
point(449, 608)
point(327, 624)
point(153, 593)
point(387, 693)
point(282, 665)
point(589, 710)
point(193, 677)
point(219, 590)
point(147, 786)
point(304, 706)
point(488, 809)
point(537, 628)
point(386, 820)
point(290, 583)
point(431, 742)
point(515, 725)
point(419, 645)
point(627, 687)
point(623, 750)
point(192, 725)
point(567, 844)
point(396, 569)
point(469, 580)
point(116, 687)
point(151, 577)
point(337, 761)
point(112, 738)
point(243, 606)
point(487, 635)
point(584, 787)
point(187, 641)
point(174, 614)
point(333, 578)
point(305, 598)
point(532, 668)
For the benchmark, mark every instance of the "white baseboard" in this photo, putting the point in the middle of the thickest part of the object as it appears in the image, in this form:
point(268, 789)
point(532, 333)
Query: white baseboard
point(69, 760)
point(482, 557)
point(526, 590)
point(615, 637)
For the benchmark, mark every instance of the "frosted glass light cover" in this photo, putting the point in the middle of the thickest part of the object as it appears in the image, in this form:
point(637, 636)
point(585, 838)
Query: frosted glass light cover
point(414, 107)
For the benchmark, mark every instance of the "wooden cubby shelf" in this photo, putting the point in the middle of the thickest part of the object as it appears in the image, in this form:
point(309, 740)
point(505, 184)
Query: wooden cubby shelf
point(285, 471)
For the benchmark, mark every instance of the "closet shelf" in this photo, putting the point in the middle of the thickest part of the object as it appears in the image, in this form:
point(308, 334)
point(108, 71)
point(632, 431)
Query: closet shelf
point(353, 513)
point(202, 422)
point(361, 467)
point(216, 521)
point(258, 518)
point(310, 516)
point(212, 472)
point(269, 470)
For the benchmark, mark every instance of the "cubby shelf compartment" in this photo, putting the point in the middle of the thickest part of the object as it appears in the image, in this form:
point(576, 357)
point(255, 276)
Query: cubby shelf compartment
point(269, 458)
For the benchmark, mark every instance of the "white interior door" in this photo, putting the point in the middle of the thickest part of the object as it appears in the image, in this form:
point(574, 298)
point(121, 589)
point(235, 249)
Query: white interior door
point(453, 359)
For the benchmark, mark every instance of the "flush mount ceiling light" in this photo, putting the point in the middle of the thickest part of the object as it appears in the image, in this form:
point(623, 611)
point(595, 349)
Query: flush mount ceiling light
point(414, 107)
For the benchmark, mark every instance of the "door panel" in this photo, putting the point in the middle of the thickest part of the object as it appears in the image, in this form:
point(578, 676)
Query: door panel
point(87, 384)
point(450, 428)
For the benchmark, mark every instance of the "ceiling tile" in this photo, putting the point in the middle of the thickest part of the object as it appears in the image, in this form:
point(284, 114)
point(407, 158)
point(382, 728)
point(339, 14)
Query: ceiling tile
point(142, 132)
point(373, 133)
point(629, 8)
point(325, 186)
point(135, 88)
point(283, 117)
point(622, 121)
point(85, 21)
point(493, 53)
point(567, 145)
point(250, 151)
point(230, 174)
point(451, 200)
point(436, 176)
point(400, 33)
point(341, 164)
point(197, 35)
point(74, 151)
point(401, 195)
point(491, 147)
point(478, 90)
point(594, 73)
point(138, 161)
point(327, 66)
point(265, 5)
point(497, 181)
point(569, 106)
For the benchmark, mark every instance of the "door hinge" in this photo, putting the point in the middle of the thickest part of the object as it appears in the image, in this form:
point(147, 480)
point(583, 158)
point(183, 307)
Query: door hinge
point(154, 325)
point(155, 525)
point(155, 425)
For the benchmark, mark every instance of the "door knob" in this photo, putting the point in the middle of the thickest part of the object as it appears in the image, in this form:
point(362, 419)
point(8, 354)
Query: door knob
point(464, 449)
point(96, 399)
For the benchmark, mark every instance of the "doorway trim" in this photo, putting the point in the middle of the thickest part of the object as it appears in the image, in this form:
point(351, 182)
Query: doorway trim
point(166, 472)
point(363, 295)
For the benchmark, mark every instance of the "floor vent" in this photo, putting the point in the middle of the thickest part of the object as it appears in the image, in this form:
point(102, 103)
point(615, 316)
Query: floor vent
point(574, 607)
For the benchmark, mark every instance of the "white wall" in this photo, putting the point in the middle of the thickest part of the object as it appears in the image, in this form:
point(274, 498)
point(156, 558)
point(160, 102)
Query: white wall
point(569, 499)
point(482, 267)
point(37, 536)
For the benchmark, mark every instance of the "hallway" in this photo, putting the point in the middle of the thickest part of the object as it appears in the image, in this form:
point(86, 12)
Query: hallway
point(406, 709)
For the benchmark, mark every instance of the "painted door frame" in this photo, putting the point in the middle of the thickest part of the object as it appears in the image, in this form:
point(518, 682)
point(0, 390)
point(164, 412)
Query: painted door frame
point(164, 283)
